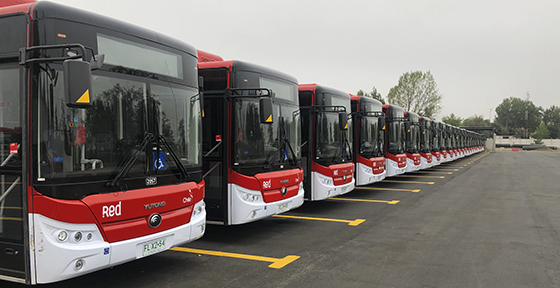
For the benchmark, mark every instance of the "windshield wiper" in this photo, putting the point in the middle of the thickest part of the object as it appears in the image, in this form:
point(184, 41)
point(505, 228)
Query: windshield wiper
point(182, 169)
point(126, 168)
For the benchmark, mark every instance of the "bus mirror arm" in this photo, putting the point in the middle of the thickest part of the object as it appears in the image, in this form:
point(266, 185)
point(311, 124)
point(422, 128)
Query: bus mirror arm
point(97, 61)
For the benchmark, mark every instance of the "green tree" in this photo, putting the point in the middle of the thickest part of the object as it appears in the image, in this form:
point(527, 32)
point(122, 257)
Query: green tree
point(476, 121)
point(452, 120)
point(373, 94)
point(551, 118)
point(417, 92)
point(540, 133)
point(516, 114)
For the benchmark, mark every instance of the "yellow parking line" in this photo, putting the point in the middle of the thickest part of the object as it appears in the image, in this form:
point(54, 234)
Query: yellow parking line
point(413, 182)
point(441, 169)
point(432, 172)
point(277, 263)
point(387, 189)
point(13, 208)
point(11, 218)
point(350, 222)
point(439, 177)
point(367, 200)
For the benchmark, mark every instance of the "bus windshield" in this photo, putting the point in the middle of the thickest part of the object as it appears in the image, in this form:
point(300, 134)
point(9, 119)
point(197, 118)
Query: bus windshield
point(91, 145)
point(332, 143)
point(370, 144)
point(412, 139)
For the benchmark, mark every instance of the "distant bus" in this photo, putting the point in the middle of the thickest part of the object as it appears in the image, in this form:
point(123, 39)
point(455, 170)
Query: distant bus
point(327, 137)
point(395, 155)
point(251, 141)
point(369, 133)
point(97, 168)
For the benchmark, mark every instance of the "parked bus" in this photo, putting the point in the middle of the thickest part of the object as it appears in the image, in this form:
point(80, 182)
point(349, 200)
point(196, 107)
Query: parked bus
point(394, 140)
point(97, 168)
point(449, 144)
point(251, 141)
point(326, 135)
point(426, 158)
point(369, 133)
point(412, 140)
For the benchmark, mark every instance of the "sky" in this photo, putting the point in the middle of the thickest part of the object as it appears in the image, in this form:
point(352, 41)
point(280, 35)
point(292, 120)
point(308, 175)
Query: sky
point(479, 51)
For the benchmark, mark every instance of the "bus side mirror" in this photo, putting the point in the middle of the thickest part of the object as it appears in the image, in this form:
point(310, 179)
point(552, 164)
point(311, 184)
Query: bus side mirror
point(201, 93)
point(407, 127)
point(77, 83)
point(265, 110)
point(381, 123)
point(343, 121)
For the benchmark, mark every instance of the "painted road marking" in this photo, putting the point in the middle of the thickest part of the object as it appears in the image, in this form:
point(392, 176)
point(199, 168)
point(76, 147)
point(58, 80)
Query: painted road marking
point(11, 218)
point(277, 263)
point(442, 169)
point(387, 189)
point(420, 176)
point(413, 182)
point(432, 172)
point(367, 200)
point(350, 222)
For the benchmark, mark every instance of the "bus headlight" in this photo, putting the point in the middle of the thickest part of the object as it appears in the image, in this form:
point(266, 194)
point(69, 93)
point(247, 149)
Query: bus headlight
point(79, 265)
point(62, 235)
point(78, 236)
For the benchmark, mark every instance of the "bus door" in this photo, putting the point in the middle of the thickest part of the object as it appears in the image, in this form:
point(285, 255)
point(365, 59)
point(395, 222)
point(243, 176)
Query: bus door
point(13, 226)
point(214, 161)
point(14, 248)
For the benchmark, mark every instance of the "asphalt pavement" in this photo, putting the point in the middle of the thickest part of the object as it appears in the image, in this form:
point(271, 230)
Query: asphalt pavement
point(488, 220)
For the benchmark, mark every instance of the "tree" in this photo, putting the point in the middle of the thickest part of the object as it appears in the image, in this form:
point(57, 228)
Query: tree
point(373, 94)
point(517, 114)
point(551, 118)
point(417, 92)
point(476, 121)
point(540, 133)
point(452, 120)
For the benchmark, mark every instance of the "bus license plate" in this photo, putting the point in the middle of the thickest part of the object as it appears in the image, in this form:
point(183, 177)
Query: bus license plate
point(283, 207)
point(153, 247)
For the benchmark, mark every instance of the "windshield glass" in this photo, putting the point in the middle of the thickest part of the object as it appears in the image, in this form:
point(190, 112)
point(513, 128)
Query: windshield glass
point(412, 139)
point(396, 129)
point(333, 144)
point(425, 138)
point(85, 145)
point(369, 142)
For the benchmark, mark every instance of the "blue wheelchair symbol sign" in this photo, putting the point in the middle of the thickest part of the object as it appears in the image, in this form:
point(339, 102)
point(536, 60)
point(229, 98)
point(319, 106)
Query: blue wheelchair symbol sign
point(159, 162)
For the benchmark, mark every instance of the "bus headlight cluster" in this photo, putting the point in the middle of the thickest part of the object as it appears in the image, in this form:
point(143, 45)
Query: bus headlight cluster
point(77, 236)
point(199, 208)
point(250, 197)
point(325, 180)
point(368, 170)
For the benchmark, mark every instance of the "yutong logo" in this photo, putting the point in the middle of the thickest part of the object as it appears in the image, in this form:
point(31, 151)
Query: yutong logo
point(284, 181)
point(154, 220)
point(154, 205)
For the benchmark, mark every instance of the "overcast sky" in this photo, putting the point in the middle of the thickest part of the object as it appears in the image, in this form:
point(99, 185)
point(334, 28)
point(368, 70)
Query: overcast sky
point(479, 52)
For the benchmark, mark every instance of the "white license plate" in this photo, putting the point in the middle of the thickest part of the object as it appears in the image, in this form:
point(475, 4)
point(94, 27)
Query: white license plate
point(153, 247)
point(283, 207)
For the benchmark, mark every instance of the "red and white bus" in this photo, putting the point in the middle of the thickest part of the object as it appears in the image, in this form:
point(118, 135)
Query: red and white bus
point(412, 141)
point(368, 124)
point(251, 141)
point(394, 140)
point(97, 167)
point(326, 135)
point(426, 160)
